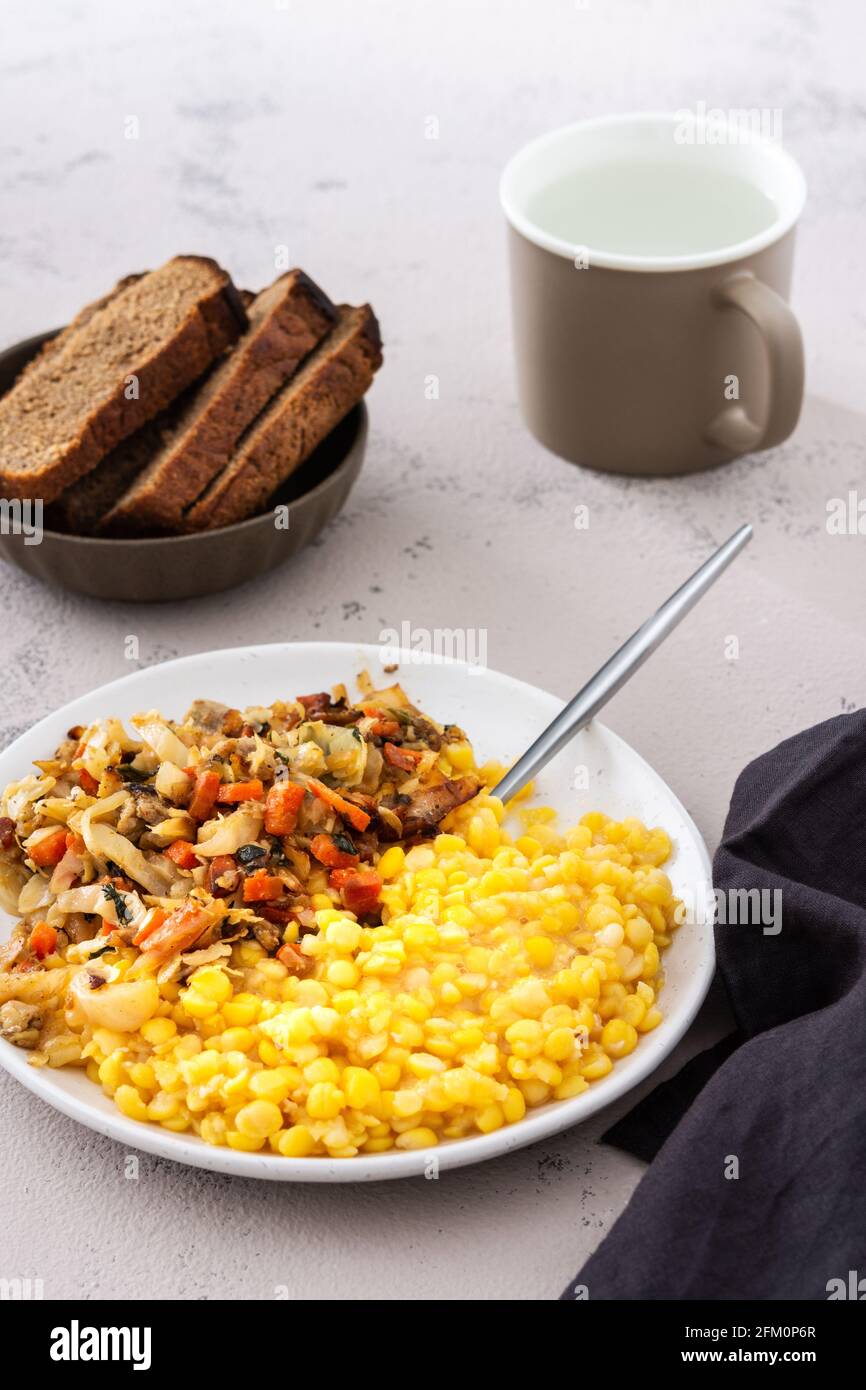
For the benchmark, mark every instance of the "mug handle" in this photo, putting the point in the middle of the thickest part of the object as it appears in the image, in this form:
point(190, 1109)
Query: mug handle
point(732, 428)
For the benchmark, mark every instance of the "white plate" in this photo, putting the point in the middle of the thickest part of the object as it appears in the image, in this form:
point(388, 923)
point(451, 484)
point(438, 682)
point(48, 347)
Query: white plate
point(501, 716)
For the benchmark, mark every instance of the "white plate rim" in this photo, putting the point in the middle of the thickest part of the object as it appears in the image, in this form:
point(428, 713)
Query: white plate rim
point(547, 1121)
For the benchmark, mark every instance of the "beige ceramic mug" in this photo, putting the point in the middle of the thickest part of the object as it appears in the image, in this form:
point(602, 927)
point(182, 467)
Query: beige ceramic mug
point(650, 262)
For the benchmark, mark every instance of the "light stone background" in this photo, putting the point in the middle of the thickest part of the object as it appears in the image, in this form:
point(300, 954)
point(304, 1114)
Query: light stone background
point(304, 124)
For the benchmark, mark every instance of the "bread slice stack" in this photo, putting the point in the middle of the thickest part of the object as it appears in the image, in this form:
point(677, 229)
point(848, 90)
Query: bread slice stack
point(116, 366)
point(310, 404)
point(177, 403)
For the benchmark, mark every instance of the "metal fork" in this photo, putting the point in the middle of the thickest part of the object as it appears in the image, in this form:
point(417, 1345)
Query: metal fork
point(620, 667)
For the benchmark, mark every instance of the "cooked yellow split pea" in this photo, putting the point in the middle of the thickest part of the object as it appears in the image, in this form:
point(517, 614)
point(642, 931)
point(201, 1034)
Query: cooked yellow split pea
point(508, 971)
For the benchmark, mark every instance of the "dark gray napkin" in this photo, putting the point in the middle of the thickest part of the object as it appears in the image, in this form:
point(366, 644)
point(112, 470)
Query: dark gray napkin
point(783, 1103)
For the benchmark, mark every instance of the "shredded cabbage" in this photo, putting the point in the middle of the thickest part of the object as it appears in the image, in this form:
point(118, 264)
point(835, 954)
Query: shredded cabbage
point(19, 795)
point(12, 879)
point(35, 894)
point(94, 899)
point(103, 745)
point(105, 842)
point(226, 836)
point(158, 736)
point(179, 827)
point(171, 782)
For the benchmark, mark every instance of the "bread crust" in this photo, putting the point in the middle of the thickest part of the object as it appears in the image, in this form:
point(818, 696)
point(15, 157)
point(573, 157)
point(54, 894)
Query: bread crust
point(213, 321)
point(332, 380)
point(286, 322)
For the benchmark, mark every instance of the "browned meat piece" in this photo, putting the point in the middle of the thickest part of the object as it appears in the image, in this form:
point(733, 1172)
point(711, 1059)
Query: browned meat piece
point(319, 706)
point(143, 807)
point(340, 714)
point(267, 935)
point(78, 928)
point(20, 1023)
point(366, 842)
point(149, 806)
point(313, 703)
point(128, 822)
point(206, 714)
point(7, 832)
point(426, 808)
point(232, 723)
point(422, 730)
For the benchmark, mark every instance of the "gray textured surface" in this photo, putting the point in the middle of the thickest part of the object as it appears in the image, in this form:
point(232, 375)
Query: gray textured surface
point(304, 125)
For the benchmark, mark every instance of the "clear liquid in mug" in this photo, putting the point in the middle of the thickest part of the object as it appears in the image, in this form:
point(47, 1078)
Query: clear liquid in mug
point(640, 207)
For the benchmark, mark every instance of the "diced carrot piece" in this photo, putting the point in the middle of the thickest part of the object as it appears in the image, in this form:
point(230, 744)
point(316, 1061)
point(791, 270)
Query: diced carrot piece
point(204, 794)
point(358, 819)
point(232, 792)
point(223, 866)
point(404, 758)
point(383, 727)
point(179, 930)
point(154, 919)
point(43, 940)
point(75, 842)
point(87, 783)
point(282, 805)
point(262, 887)
point(360, 890)
point(328, 852)
point(50, 849)
point(338, 877)
point(183, 853)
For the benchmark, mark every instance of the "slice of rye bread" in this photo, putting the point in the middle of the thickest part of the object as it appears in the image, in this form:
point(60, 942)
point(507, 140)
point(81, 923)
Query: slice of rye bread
point(287, 320)
point(80, 508)
point(332, 380)
point(81, 318)
point(115, 368)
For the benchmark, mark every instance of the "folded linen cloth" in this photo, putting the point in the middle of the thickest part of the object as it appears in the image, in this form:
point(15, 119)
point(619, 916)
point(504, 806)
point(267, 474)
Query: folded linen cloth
point(757, 1184)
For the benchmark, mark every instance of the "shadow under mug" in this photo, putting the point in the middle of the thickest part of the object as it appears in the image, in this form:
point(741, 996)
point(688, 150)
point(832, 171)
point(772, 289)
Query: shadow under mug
point(654, 364)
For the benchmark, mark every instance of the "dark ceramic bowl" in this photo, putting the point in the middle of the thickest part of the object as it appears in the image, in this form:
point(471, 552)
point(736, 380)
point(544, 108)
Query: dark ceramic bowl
point(178, 567)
